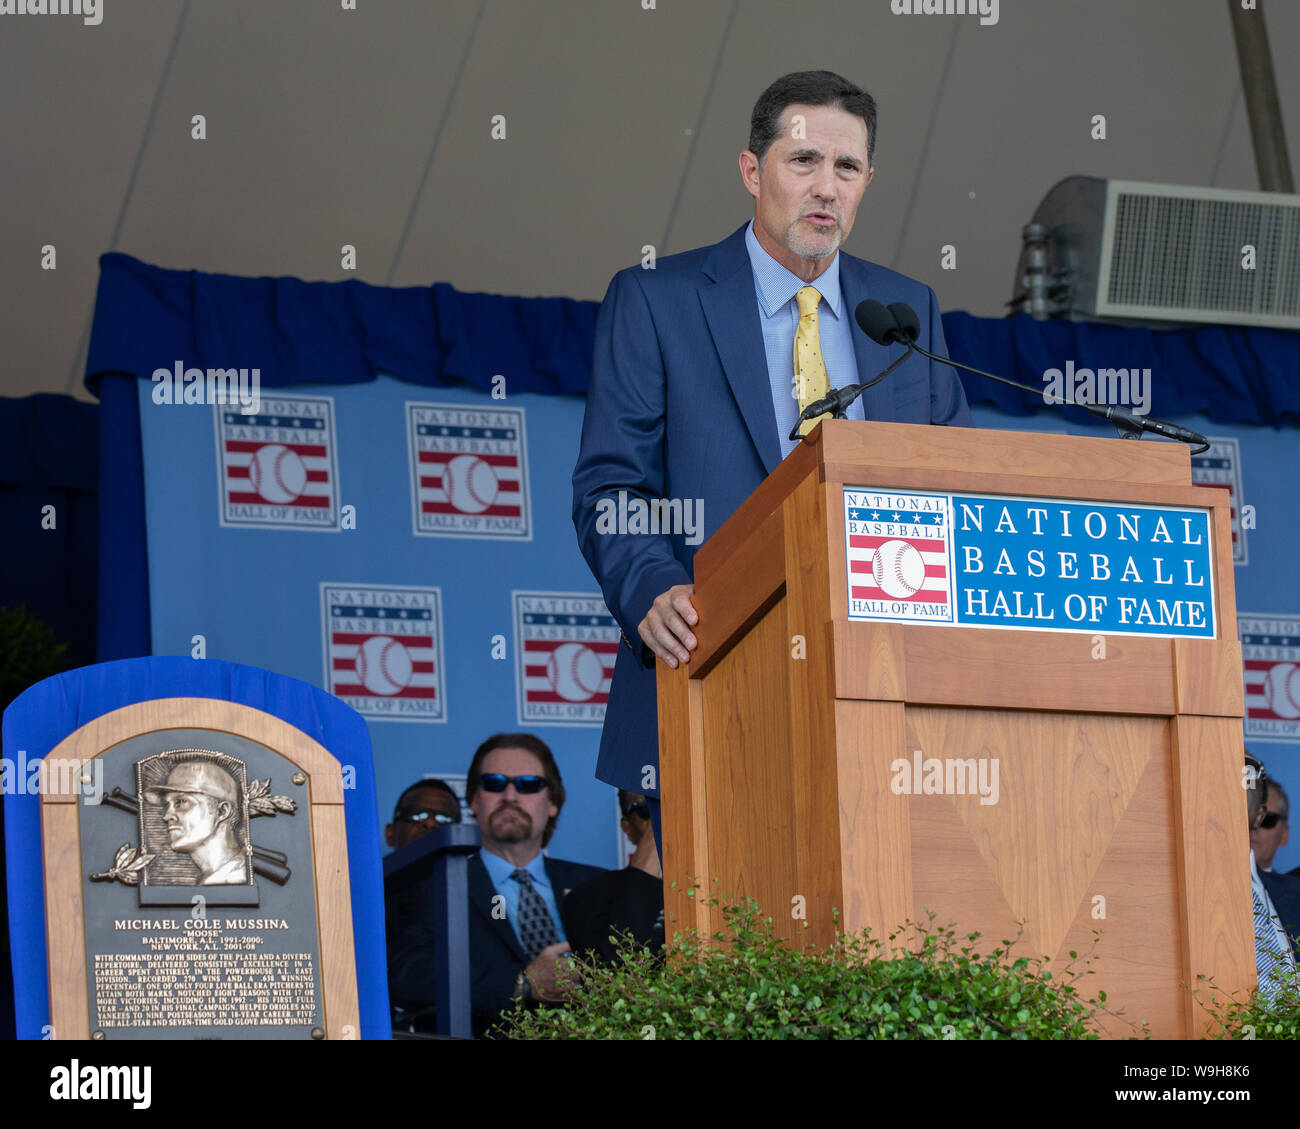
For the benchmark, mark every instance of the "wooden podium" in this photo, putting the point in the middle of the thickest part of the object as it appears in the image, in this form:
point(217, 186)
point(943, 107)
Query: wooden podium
point(1121, 809)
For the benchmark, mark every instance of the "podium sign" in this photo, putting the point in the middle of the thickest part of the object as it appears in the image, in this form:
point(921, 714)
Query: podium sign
point(1028, 564)
point(196, 878)
point(993, 675)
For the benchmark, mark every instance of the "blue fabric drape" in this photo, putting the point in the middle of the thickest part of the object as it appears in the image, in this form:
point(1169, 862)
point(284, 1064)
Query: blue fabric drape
point(48, 458)
point(1228, 373)
point(299, 332)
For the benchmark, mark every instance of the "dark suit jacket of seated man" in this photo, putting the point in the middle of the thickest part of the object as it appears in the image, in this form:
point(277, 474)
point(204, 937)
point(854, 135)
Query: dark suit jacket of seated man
point(516, 793)
point(691, 386)
point(496, 956)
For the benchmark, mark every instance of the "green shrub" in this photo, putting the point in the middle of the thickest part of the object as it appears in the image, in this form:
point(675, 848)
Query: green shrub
point(28, 652)
point(745, 982)
point(1255, 1017)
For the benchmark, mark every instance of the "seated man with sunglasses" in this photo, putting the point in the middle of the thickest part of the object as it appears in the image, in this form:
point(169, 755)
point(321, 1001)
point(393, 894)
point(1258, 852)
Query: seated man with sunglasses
point(627, 901)
point(421, 808)
point(1275, 928)
point(517, 924)
point(1282, 890)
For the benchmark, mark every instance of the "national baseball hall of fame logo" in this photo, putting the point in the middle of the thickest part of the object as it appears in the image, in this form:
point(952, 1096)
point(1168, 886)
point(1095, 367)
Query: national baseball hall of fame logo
point(565, 647)
point(1270, 659)
point(383, 650)
point(469, 471)
point(897, 549)
point(279, 467)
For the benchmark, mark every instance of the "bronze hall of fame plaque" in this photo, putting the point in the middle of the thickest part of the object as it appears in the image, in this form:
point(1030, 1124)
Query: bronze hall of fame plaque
point(199, 892)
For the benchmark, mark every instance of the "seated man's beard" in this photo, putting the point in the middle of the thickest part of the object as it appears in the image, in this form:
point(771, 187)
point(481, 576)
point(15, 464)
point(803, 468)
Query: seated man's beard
point(513, 833)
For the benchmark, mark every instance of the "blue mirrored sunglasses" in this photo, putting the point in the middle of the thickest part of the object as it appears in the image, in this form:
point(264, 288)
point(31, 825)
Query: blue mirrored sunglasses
point(524, 785)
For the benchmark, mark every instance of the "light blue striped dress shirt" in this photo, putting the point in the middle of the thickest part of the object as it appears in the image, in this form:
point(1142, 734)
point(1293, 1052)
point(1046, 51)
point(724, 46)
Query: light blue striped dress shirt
point(778, 313)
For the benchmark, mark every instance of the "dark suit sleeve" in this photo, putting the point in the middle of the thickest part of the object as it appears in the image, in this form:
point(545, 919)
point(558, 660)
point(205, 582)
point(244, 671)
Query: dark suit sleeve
point(947, 397)
point(495, 973)
point(587, 918)
point(496, 968)
point(411, 981)
point(572, 895)
point(622, 449)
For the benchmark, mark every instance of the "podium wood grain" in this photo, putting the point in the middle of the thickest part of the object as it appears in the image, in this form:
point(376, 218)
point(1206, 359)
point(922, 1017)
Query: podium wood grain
point(1119, 810)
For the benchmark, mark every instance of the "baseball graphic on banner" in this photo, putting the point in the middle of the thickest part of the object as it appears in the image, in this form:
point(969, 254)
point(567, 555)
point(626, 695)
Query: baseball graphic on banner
point(383, 665)
point(277, 473)
point(898, 569)
point(471, 484)
point(1282, 690)
point(575, 672)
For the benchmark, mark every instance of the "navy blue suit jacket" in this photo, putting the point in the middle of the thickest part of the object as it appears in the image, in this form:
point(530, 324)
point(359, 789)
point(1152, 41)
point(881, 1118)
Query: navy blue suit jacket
point(1285, 892)
point(496, 957)
point(680, 407)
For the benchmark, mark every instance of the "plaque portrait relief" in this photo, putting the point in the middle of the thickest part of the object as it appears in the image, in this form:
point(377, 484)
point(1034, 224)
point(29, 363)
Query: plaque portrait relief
point(203, 816)
point(206, 925)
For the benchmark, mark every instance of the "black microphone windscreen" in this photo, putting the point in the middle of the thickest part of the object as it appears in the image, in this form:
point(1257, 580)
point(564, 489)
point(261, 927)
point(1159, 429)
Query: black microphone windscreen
point(908, 322)
point(876, 321)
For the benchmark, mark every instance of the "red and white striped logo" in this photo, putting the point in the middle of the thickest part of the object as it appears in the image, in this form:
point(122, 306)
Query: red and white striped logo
point(1220, 468)
point(897, 555)
point(565, 647)
point(1270, 653)
point(469, 471)
point(383, 650)
point(278, 467)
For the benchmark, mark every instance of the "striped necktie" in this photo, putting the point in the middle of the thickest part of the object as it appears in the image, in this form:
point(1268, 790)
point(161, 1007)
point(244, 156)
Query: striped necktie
point(1272, 954)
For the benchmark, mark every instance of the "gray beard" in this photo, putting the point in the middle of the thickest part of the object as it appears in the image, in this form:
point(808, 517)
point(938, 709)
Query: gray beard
point(818, 253)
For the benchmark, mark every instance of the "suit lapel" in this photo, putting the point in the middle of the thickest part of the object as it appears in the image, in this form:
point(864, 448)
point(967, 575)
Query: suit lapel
point(877, 402)
point(731, 310)
point(561, 882)
point(481, 892)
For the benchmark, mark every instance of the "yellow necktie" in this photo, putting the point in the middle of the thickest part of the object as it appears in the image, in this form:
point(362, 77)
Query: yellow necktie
point(810, 379)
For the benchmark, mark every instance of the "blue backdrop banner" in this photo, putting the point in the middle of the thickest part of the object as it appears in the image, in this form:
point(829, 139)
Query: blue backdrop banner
point(392, 522)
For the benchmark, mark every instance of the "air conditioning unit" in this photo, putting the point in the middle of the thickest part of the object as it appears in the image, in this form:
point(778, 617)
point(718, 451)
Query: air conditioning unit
point(1122, 250)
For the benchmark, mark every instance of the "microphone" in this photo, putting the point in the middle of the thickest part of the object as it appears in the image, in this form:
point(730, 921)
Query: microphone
point(880, 324)
point(907, 320)
point(837, 403)
point(898, 323)
point(839, 400)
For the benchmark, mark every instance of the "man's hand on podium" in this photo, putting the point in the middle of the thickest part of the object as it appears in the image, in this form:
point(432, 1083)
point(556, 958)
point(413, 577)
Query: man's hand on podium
point(666, 629)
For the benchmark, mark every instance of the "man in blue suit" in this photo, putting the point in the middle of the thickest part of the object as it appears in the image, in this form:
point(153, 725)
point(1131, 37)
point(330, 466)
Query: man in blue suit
point(700, 370)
